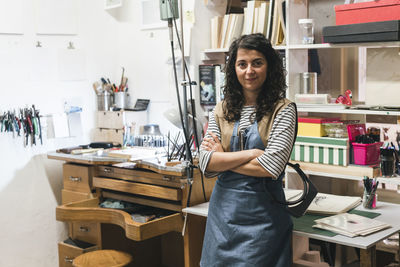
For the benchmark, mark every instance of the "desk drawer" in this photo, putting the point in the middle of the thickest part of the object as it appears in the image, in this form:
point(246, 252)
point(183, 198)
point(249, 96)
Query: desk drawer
point(86, 231)
point(67, 253)
point(162, 192)
point(138, 175)
point(68, 196)
point(77, 178)
point(89, 211)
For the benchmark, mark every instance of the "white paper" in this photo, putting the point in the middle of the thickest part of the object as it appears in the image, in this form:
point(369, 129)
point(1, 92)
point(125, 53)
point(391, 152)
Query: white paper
point(56, 17)
point(75, 124)
point(60, 124)
point(11, 17)
point(43, 64)
point(352, 223)
point(71, 65)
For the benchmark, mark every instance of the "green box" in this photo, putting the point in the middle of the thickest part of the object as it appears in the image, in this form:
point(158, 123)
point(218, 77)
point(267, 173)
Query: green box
point(324, 150)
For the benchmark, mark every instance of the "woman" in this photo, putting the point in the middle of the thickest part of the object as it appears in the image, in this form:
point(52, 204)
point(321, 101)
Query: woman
point(248, 143)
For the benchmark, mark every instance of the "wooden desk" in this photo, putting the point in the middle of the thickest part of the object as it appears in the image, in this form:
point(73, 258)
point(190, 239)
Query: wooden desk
point(390, 213)
point(89, 179)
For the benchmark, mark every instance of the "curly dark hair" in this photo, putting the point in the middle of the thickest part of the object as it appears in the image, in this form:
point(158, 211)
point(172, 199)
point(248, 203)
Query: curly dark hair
point(273, 88)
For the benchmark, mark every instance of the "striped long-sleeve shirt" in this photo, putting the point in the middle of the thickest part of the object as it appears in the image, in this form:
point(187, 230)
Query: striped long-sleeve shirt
point(279, 144)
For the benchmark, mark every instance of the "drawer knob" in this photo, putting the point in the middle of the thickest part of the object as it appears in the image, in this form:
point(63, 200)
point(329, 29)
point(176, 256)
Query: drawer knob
point(84, 229)
point(75, 179)
point(166, 178)
point(107, 170)
point(69, 260)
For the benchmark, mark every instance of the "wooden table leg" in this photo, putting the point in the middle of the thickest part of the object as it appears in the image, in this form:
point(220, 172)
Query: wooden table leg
point(368, 257)
point(193, 239)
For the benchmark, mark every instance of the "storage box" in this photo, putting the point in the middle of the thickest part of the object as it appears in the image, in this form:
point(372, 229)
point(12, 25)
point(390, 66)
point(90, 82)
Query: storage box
point(108, 135)
point(366, 154)
point(118, 119)
point(363, 32)
point(333, 151)
point(311, 126)
point(372, 11)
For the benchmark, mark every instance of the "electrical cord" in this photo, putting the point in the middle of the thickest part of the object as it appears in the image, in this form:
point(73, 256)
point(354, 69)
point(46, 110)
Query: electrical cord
point(192, 104)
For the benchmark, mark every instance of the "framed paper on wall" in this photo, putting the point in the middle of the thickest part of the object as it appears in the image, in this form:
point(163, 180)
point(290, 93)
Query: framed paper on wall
point(150, 15)
point(109, 4)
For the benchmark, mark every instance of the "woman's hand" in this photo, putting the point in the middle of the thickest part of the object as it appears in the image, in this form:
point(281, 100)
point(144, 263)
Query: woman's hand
point(212, 143)
point(257, 152)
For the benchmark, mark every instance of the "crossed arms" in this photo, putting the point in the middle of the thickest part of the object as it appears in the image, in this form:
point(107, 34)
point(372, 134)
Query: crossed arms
point(243, 162)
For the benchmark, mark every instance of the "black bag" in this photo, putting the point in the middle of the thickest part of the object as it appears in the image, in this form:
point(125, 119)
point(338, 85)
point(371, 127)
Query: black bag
point(297, 208)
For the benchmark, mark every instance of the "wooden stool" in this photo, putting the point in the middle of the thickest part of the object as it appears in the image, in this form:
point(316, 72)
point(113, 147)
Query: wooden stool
point(102, 258)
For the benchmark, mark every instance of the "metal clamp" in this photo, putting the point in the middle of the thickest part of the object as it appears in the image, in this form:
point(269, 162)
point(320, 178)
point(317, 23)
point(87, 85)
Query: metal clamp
point(69, 260)
point(108, 170)
point(83, 229)
point(75, 179)
point(186, 83)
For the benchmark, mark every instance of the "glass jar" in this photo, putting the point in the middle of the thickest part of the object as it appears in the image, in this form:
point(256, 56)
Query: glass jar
point(307, 27)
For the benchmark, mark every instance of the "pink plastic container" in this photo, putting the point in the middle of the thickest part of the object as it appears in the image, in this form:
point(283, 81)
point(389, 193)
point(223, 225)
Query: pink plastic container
point(366, 154)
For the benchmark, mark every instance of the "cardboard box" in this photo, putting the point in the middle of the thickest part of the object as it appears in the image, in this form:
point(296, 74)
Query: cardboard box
point(118, 119)
point(325, 150)
point(373, 11)
point(363, 32)
point(108, 135)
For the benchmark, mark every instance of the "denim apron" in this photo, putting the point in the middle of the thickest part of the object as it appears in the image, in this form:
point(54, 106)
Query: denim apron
point(245, 227)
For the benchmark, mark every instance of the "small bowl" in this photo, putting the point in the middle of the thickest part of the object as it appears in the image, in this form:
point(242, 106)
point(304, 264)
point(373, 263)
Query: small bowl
point(150, 129)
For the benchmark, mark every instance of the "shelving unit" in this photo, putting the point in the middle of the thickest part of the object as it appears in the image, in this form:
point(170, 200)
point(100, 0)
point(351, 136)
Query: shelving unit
point(351, 172)
point(345, 67)
point(350, 111)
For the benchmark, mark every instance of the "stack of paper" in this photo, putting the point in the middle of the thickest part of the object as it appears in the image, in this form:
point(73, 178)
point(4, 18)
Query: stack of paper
point(137, 153)
point(350, 225)
point(332, 204)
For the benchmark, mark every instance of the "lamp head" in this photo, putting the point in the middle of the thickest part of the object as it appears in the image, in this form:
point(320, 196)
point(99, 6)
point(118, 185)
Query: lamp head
point(168, 9)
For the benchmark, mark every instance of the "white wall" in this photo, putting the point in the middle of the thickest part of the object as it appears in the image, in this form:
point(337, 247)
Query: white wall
point(30, 184)
point(383, 77)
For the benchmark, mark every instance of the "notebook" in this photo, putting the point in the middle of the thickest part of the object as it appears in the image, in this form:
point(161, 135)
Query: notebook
point(140, 105)
point(350, 225)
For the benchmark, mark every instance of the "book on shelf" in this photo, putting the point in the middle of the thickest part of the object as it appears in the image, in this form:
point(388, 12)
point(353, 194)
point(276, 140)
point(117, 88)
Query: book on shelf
point(262, 19)
point(234, 29)
point(224, 30)
point(278, 30)
point(350, 225)
point(216, 25)
point(270, 19)
point(219, 83)
point(211, 81)
point(250, 14)
point(332, 204)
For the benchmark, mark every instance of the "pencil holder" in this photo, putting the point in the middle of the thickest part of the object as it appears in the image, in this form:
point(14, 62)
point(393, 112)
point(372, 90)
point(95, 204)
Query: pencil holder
point(387, 162)
point(121, 99)
point(369, 200)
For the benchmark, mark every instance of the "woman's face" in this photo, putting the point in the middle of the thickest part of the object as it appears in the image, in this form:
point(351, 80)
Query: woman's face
point(251, 69)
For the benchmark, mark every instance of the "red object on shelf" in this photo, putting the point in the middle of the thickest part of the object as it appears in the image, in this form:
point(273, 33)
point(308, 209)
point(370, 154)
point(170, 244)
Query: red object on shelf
point(345, 99)
point(373, 11)
point(354, 130)
point(366, 154)
point(317, 120)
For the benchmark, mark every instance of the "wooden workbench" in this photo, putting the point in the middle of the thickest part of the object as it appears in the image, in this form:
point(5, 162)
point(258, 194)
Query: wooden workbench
point(88, 180)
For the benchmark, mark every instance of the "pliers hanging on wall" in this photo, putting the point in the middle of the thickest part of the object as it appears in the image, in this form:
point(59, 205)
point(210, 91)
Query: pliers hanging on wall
point(37, 117)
